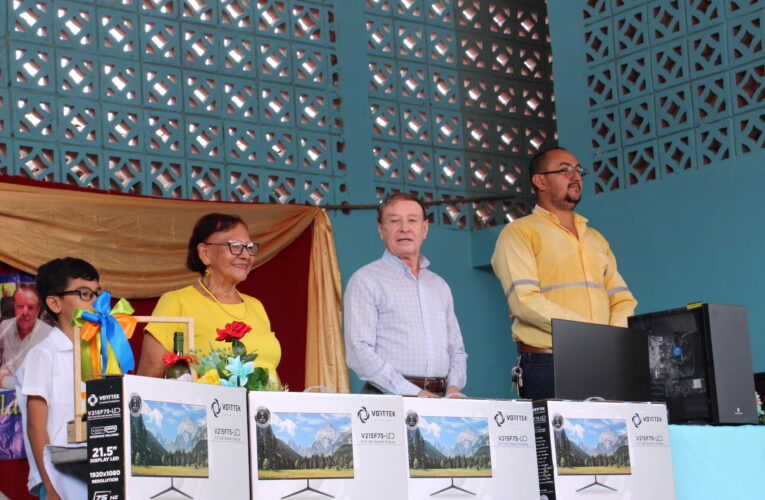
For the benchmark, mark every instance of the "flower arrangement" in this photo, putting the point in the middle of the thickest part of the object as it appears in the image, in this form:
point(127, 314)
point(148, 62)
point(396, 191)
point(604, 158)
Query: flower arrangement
point(232, 365)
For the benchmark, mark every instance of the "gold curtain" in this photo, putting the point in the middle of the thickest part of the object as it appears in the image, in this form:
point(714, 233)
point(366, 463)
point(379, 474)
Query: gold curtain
point(139, 246)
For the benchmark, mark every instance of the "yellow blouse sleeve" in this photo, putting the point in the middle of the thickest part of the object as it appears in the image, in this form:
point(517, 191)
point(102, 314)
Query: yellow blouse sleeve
point(169, 304)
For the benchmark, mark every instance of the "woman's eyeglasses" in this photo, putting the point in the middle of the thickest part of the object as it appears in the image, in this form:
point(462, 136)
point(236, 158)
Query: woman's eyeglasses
point(236, 248)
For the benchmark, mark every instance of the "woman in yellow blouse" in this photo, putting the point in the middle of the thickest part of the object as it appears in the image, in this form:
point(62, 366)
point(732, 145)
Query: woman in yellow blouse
point(220, 250)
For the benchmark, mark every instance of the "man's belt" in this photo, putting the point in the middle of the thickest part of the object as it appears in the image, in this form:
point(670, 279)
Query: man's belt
point(430, 384)
point(530, 349)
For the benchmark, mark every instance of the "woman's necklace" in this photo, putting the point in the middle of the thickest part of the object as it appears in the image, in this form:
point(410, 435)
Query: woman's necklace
point(220, 305)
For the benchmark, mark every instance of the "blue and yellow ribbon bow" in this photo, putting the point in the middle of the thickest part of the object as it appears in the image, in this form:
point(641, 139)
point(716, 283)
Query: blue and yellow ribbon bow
point(106, 330)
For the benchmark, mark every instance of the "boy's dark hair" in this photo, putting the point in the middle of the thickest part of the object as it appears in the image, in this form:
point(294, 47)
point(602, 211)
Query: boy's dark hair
point(53, 277)
point(205, 226)
point(400, 196)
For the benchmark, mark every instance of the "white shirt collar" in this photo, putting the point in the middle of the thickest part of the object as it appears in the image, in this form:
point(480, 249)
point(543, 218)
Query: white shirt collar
point(392, 259)
point(60, 341)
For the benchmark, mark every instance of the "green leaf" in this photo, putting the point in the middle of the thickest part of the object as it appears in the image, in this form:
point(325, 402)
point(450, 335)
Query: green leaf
point(238, 348)
point(258, 380)
point(253, 383)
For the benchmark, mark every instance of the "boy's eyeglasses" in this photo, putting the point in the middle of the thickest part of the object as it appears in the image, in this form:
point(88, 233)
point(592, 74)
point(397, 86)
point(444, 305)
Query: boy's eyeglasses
point(84, 293)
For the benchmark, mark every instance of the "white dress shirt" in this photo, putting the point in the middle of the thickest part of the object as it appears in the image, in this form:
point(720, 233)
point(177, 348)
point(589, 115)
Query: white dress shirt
point(47, 372)
point(396, 324)
point(14, 348)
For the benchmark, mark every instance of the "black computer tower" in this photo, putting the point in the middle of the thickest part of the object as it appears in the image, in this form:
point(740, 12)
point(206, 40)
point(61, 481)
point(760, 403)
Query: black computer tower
point(701, 363)
point(759, 383)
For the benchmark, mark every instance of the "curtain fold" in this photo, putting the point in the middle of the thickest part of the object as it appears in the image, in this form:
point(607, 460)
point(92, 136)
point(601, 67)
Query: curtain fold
point(328, 352)
point(139, 246)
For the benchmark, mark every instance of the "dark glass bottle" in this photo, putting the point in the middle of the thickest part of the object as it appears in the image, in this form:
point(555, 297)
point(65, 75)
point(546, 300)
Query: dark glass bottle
point(180, 369)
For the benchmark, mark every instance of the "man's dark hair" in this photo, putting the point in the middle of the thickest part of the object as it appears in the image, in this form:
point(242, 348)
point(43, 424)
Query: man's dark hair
point(539, 159)
point(53, 277)
point(205, 226)
point(400, 196)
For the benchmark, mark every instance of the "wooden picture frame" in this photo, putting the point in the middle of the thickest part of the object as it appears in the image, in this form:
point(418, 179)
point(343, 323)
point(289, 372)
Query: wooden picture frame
point(77, 429)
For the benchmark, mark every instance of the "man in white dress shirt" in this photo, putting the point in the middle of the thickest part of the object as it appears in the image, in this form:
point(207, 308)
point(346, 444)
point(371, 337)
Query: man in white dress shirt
point(401, 334)
point(20, 333)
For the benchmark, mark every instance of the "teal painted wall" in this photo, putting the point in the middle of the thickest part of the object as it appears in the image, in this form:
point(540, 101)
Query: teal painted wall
point(479, 302)
point(697, 236)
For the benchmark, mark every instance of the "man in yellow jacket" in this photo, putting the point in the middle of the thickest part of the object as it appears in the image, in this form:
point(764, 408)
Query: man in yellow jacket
point(551, 265)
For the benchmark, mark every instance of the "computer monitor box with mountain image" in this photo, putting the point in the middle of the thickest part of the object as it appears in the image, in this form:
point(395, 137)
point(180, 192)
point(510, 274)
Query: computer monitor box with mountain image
point(603, 448)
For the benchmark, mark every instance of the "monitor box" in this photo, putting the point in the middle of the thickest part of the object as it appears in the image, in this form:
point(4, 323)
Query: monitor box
point(700, 363)
point(511, 431)
point(609, 449)
point(157, 438)
point(317, 445)
point(470, 448)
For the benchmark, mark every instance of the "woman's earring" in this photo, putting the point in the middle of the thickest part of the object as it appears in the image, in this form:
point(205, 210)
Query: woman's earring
point(207, 271)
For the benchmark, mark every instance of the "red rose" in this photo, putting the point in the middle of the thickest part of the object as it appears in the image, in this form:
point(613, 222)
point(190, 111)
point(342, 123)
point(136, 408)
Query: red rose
point(235, 330)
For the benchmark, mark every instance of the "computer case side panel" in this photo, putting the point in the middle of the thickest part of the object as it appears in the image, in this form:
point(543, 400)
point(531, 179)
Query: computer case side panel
point(731, 381)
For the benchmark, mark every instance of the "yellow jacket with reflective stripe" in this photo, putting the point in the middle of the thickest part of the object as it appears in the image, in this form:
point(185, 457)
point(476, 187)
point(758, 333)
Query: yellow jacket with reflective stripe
point(547, 273)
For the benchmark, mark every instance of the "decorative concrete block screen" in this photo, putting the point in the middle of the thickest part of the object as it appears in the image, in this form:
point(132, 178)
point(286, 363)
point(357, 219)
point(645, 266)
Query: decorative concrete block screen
point(243, 99)
point(674, 85)
point(461, 97)
point(227, 100)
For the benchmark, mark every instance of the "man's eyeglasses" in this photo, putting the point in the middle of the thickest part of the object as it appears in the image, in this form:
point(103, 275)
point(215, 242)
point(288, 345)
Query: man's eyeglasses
point(236, 248)
point(569, 171)
point(85, 294)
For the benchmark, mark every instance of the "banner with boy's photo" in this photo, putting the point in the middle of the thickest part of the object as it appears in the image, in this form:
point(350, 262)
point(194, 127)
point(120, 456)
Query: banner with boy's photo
point(11, 437)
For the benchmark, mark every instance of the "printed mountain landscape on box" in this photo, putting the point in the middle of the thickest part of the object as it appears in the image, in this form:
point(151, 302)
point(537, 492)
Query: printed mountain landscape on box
point(169, 439)
point(305, 445)
point(449, 447)
point(592, 446)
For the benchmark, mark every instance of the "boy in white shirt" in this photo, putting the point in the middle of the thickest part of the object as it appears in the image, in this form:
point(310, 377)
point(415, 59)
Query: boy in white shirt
point(44, 380)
